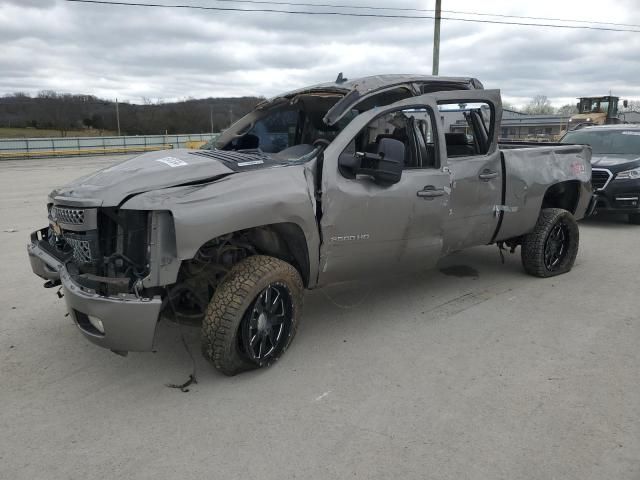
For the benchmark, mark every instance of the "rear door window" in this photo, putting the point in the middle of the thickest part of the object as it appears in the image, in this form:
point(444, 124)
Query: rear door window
point(468, 127)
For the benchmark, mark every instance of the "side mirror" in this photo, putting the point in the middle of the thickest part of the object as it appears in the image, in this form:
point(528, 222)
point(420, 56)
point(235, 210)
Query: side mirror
point(385, 166)
point(625, 103)
point(389, 167)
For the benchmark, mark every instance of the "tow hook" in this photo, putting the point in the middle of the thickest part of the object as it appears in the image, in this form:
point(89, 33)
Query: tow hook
point(51, 283)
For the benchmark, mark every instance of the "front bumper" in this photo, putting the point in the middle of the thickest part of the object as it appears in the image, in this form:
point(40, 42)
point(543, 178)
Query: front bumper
point(619, 196)
point(129, 322)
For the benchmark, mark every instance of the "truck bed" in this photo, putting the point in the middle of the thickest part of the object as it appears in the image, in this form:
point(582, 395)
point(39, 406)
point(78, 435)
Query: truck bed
point(531, 171)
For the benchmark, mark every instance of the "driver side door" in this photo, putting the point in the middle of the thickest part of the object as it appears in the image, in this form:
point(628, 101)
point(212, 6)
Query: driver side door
point(371, 228)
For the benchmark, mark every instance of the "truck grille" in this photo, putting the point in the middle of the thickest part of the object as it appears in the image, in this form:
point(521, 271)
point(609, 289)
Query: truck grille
point(600, 177)
point(71, 216)
point(81, 250)
point(103, 242)
point(84, 247)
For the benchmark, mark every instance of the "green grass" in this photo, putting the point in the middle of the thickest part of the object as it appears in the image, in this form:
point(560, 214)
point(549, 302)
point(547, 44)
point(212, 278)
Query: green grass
point(47, 133)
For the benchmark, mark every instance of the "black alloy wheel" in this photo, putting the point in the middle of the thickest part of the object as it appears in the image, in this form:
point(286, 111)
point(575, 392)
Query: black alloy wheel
point(556, 246)
point(253, 315)
point(551, 248)
point(267, 323)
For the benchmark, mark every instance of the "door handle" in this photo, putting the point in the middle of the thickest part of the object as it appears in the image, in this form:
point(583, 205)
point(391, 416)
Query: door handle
point(487, 175)
point(430, 192)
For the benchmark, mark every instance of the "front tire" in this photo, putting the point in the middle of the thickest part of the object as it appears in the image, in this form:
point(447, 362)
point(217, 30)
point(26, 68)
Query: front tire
point(551, 248)
point(634, 218)
point(253, 315)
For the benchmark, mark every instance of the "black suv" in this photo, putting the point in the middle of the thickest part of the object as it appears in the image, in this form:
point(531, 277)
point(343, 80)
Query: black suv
point(616, 166)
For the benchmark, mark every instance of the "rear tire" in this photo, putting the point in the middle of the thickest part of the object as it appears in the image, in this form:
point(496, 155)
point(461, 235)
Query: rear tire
point(634, 218)
point(551, 248)
point(253, 315)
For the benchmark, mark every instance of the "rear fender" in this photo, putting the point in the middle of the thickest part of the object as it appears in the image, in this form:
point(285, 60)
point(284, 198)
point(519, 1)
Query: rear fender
point(536, 174)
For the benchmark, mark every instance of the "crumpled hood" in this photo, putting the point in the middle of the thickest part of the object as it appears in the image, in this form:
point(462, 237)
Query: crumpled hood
point(615, 162)
point(150, 171)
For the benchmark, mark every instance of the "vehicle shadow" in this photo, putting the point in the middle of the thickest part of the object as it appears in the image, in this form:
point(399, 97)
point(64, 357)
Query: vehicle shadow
point(610, 220)
point(342, 313)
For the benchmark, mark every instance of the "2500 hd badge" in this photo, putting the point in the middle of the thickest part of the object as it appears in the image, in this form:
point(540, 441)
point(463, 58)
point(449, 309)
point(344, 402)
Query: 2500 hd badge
point(350, 238)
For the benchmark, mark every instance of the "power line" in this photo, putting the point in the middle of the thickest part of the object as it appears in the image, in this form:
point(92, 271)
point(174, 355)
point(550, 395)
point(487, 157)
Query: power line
point(346, 14)
point(547, 19)
point(408, 9)
point(328, 5)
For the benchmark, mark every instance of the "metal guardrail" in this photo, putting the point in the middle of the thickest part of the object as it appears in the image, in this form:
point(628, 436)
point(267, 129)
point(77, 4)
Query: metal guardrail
point(16, 148)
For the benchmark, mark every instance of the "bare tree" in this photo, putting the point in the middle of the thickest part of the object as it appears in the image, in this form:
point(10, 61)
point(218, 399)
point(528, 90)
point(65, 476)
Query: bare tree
point(539, 105)
point(567, 110)
point(65, 112)
point(632, 106)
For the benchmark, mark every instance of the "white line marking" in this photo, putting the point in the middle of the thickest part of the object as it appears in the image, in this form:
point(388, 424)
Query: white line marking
point(322, 396)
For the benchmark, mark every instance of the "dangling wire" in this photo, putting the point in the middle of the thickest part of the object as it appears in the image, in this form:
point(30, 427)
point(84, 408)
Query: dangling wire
point(192, 377)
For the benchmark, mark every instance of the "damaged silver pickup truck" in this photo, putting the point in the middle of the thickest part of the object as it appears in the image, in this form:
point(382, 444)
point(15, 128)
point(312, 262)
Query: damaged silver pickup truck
point(334, 182)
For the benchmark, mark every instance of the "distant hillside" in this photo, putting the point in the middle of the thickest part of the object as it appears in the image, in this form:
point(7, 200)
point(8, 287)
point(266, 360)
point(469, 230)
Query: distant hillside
point(30, 132)
point(65, 112)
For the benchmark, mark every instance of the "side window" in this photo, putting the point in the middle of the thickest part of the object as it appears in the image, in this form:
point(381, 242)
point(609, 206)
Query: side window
point(468, 128)
point(412, 126)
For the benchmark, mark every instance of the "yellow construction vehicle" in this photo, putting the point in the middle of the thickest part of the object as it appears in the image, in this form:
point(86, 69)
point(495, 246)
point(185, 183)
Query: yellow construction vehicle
point(596, 111)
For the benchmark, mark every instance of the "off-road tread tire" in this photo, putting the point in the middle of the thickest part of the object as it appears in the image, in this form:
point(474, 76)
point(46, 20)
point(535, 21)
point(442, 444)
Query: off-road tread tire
point(234, 295)
point(532, 250)
point(634, 218)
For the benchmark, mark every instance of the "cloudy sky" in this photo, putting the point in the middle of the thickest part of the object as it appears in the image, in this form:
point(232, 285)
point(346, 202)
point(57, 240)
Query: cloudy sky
point(134, 52)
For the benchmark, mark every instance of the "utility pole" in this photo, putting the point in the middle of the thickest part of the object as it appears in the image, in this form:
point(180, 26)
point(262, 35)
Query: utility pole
point(118, 117)
point(436, 38)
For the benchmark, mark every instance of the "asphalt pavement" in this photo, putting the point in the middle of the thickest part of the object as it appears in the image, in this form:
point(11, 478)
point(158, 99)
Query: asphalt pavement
point(471, 371)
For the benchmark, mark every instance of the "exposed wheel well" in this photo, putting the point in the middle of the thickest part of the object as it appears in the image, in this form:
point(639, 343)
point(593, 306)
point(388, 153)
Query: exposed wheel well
point(285, 241)
point(199, 277)
point(563, 195)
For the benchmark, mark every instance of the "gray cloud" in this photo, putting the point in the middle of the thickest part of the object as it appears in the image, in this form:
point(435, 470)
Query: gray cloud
point(164, 53)
point(32, 3)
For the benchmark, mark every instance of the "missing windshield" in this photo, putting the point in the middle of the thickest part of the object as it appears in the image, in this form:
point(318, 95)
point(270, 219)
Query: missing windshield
point(287, 130)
